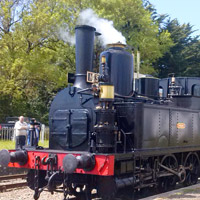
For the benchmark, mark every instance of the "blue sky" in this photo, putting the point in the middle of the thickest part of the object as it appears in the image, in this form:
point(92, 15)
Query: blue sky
point(186, 11)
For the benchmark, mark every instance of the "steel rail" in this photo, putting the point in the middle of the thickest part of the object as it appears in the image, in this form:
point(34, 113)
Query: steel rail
point(12, 186)
point(15, 176)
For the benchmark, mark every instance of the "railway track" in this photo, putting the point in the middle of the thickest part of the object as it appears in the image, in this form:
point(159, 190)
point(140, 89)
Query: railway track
point(12, 181)
point(17, 181)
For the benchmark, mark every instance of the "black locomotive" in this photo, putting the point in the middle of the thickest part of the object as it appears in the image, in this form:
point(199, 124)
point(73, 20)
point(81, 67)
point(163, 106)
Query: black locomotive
point(107, 136)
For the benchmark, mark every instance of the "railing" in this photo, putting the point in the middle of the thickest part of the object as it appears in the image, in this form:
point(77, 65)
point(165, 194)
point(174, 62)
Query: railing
point(8, 133)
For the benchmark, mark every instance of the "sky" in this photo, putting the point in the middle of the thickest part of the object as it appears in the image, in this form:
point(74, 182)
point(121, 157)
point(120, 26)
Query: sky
point(186, 11)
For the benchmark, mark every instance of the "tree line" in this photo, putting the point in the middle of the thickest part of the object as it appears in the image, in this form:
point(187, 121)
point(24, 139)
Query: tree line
point(34, 60)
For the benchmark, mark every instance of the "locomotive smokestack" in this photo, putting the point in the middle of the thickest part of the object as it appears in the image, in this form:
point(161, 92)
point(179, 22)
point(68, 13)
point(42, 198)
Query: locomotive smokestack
point(84, 54)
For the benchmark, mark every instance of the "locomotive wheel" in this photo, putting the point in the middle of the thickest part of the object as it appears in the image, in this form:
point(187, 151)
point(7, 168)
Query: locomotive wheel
point(167, 182)
point(192, 173)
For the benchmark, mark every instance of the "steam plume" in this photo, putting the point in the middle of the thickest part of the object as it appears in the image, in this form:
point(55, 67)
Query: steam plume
point(65, 35)
point(87, 17)
point(108, 33)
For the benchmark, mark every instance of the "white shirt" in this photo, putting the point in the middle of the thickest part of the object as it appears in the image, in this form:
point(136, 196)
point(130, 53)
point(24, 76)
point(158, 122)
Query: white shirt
point(20, 129)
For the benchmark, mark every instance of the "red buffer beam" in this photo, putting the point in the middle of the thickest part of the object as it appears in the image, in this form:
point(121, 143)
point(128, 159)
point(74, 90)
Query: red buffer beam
point(104, 164)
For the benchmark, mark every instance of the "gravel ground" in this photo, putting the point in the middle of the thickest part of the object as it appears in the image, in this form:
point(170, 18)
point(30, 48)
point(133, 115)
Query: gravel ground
point(27, 194)
point(188, 193)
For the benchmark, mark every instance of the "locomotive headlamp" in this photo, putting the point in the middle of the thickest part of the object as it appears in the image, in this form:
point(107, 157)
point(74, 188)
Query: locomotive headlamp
point(106, 91)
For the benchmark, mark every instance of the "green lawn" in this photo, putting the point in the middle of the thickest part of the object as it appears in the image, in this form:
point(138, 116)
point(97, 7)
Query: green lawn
point(7, 144)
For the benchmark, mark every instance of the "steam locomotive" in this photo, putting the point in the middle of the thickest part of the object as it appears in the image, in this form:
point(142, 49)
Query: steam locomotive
point(107, 136)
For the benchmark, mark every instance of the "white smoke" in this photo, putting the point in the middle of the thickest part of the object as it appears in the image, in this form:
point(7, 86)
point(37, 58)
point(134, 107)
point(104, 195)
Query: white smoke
point(108, 33)
point(64, 34)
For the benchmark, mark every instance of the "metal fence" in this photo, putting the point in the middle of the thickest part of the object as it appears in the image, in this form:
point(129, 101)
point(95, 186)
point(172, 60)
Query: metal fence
point(8, 133)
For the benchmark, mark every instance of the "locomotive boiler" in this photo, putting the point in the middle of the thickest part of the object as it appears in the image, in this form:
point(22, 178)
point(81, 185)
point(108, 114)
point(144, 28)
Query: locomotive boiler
point(107, 136)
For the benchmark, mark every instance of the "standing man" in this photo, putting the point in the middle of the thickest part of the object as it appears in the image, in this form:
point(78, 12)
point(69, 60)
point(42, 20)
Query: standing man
point(21, 132)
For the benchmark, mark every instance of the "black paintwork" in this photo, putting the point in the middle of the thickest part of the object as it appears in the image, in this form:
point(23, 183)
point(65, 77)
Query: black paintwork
point(147, 86)
point(145, 124)
point(186, 85)
point(128, 123)
point(120, 69)
point(71, 120)
point(84, 54)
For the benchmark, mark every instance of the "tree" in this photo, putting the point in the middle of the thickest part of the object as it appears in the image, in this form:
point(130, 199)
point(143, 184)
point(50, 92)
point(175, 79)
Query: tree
point(34, 60)
point(134, 20)
point(183, 57)
point(31, 57)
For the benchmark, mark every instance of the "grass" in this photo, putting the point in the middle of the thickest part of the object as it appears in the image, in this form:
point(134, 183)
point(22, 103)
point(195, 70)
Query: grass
point(7, 144)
